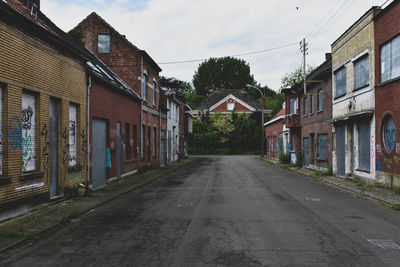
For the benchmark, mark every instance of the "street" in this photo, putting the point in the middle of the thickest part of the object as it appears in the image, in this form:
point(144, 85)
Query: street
point(227, 211)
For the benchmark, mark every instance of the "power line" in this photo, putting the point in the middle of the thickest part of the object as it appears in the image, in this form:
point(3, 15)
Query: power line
point(237, 55)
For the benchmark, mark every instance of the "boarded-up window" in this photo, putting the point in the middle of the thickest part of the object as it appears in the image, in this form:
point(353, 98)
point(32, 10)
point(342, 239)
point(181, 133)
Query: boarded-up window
point(323, 147)
point(361, 72)
point(154, 142)
point(340, 82)
point(72, 134)
point(364, 145)
point(275, 145)
point(28, 124)
point(142, 138)
point(281, 143)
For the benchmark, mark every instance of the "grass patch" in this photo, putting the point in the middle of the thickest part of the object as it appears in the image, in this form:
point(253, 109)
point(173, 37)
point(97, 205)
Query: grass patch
point(390, 206)
point(15, 235)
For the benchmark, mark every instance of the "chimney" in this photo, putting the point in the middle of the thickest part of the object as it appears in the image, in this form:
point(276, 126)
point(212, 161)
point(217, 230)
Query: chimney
point(328, 56)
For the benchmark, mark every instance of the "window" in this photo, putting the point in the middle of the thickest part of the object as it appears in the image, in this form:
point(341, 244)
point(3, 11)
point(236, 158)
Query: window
point(305, 106)
point(28, 132)
point(364, 140)
point(231, 106)
point(390, 59)
point(142, 139)
point(154, 142)
point(323, 147)
point(154, 93)
point(320, 100)
point(291, 106)
point(340, 81)
point(389, 133)
point(177, 113)
point(149, 142)
point(281, 143)
point(103, 43)
point(361, 72)
point(127, 141)
point(144, 87)
point(311, 104)
point(72, 134)
point(275, 145)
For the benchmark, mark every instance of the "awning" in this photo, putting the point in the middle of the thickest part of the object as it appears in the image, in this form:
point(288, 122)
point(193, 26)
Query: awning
point(357, 115)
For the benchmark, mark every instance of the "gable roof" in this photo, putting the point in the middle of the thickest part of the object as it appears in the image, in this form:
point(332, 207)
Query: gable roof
point(278, 116)
point(219, 95)
point(143, 52)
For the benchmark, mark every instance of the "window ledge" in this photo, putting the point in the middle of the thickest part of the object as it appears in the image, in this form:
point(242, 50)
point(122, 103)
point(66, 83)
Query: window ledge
point(319, 111)
point(388, 82)
point(30, 176)
point(363, 170)
point(75, 168)
point(361, 87)
point(339, 96)
point(5, 180)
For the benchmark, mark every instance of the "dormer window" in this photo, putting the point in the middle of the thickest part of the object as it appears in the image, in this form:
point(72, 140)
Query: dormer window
point(231, 106)
point(103, 43)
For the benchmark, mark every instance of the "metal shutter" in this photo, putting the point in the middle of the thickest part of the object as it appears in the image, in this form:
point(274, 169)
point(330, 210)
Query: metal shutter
point(364, 145)
point(28, 132)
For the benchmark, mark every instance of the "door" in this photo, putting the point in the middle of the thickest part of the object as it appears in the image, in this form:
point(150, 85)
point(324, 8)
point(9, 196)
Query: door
point(169, 151)
point(340, 150)
point(99, 157)
point(53, 144)
point(306, 148)
point(118, 150)
point(312, 156)
point(351, 142)
point(162, 153)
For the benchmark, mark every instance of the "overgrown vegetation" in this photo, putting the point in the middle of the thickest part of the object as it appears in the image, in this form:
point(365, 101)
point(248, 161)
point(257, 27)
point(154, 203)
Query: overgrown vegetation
point(77, 35)
point(284, 158)
point(223, 135)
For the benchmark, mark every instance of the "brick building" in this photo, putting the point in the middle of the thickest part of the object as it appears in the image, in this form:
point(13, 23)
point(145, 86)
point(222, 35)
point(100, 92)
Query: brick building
point(274, 131)
point(43, 105)
point(387, 93)
point(315, 112)
point(138, 70)
point(353, 103)
point(114, 121)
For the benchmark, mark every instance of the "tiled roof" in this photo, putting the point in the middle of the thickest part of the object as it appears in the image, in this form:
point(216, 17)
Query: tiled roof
point(217, 96)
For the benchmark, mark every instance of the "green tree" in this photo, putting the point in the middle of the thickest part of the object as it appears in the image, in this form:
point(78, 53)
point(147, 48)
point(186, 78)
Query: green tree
point(275, 102)
point(295, 77)
point(77, 35)
point(224, 73)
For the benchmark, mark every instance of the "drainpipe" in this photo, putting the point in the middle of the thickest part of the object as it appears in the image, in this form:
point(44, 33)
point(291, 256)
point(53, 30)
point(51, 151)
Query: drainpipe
point(88, 131)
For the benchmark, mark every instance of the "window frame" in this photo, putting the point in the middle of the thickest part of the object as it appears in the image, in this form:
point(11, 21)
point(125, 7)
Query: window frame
point(73, 148)
point(341, 69)
point(305, 106)
point(154, 93)
point(99, 49)
point(364, 151)
point(311, 104)
point(357, 63)
point(389, 64)
point(319, 157)
point(320, 100)
point(230, 104)
point(144, 87)
point(154, 142)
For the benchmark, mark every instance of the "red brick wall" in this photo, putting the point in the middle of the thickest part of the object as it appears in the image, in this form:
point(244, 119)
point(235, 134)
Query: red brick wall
point(111, 106)
point(386, 95)
point(316, 123)
point(224, 107)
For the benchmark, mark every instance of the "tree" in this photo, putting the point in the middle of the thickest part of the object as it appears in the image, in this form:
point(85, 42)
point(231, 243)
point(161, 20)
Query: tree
point(295, 77)
point(181, 86)
point(224, 73)
point(275, 102)
point(77, 35)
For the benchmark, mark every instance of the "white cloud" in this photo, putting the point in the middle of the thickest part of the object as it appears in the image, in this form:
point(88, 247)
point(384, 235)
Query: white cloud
point(173, 30)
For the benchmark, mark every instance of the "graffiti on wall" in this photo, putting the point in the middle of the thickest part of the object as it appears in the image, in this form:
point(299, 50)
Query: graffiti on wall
point(45, 151)
point(65, 152)
point(72, 143)
point(15, 133)
point(28, 138)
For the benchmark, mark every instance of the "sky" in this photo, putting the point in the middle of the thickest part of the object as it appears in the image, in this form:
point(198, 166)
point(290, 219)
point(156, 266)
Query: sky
point(189, 30)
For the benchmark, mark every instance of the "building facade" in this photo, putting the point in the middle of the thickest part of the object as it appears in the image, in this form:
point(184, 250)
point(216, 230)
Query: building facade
point(387, 77)
point(114, 121)
point(139, 71)
point(353, 104)
point(315, 113)
point(43, 106)
point(274, 133)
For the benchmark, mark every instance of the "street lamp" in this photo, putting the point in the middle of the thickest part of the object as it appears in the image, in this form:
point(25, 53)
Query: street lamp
point(262, 117)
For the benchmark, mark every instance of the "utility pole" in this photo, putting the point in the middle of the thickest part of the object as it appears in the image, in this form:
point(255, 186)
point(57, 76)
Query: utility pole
point(304, 49)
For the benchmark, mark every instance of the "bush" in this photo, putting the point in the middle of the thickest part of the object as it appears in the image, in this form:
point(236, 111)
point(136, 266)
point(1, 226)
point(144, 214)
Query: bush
point(299, 161)
point(284, 158)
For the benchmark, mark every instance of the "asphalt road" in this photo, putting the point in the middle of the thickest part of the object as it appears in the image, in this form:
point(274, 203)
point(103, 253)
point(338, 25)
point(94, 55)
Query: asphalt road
point(227, 211)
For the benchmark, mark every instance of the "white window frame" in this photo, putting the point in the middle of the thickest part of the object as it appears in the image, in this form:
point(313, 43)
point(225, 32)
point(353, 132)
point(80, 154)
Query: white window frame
point(73, 136)
point(230, 106)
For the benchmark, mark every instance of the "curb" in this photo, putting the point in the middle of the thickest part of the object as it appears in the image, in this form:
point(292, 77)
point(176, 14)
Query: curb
point(106, 200)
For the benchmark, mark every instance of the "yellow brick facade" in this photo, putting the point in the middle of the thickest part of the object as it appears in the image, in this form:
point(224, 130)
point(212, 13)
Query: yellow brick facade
point(27, 64)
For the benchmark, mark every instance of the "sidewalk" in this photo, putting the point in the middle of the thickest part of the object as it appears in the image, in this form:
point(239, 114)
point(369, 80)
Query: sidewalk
point(28, 228)
point(383, 196)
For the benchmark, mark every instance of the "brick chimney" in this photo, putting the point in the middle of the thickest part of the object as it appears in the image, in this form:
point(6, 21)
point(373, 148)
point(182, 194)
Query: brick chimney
point(328, 56)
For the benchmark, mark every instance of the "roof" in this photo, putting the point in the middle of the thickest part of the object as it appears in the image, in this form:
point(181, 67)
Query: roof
point(218, 95)
point(278, 116)
point(105, 74)
point(386, 9)
point(37, 24)
point(143, 52)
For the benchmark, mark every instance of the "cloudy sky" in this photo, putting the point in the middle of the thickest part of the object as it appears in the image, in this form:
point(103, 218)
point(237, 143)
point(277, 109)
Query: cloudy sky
point(187, 30)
